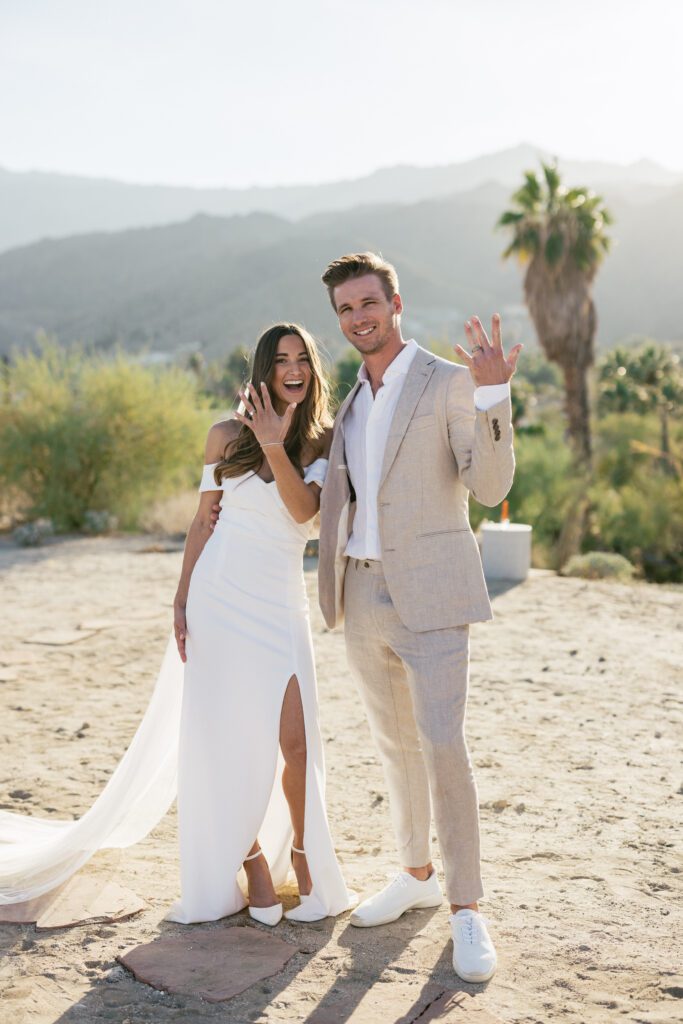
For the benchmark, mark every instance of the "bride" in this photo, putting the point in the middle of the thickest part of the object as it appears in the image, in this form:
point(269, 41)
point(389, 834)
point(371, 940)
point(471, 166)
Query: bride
point(234, 709)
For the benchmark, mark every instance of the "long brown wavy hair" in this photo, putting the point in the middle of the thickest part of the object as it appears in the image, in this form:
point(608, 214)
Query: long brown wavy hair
point(312, 416)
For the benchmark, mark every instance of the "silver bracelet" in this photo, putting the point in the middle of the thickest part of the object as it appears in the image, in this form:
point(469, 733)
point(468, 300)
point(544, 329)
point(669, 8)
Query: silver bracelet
point(269, 444)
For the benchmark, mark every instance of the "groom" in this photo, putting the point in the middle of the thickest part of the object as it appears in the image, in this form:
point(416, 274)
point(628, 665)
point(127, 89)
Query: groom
point(399, 563)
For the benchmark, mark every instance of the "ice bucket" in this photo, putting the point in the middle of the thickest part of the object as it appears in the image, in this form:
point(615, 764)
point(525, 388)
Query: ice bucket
point(506, 550)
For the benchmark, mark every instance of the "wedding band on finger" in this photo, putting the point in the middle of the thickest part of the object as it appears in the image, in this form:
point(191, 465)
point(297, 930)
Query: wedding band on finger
point(477, 348)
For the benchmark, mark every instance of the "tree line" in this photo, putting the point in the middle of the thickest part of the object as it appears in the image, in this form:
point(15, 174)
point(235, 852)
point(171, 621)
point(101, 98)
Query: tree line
point(599, 449)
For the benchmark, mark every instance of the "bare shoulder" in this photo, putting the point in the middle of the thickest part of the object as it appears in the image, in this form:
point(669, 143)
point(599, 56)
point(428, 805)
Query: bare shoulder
point(219, 436)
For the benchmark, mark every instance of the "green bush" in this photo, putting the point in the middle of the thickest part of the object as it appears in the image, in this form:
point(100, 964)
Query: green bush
point(635, 504)
point(542, 490)
point(636, 501)
point(642, 520)
point(81, 434)
point(599, 565)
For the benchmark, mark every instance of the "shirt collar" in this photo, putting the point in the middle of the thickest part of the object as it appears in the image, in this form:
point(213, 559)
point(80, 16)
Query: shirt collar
point(398, 367)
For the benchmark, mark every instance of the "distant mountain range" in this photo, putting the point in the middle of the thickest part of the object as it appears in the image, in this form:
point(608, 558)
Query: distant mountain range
point(212, 282)
point(37, 205)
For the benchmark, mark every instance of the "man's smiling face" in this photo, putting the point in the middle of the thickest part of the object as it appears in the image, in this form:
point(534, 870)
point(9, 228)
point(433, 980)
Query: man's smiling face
point(367, 318)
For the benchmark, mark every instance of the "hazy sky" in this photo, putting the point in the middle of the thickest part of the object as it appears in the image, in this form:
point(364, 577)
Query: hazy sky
point(238, 93)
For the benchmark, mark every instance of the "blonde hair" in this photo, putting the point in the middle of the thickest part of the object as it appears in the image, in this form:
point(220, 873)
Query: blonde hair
point(312, 416)
point(358, 264)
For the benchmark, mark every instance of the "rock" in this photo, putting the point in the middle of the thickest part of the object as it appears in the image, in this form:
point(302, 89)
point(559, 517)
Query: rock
point(115, 974)
point(213, 964)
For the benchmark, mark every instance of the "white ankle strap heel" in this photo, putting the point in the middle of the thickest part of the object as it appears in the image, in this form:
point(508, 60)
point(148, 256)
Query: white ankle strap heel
point(264, 915)
point(308, 909)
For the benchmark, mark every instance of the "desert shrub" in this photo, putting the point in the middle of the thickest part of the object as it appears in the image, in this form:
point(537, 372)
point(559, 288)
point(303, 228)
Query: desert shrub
point(599, 565)
point(635, 503)
point(32, 535)
point(81, 434)
point(642, 520)
point(621, 443)
point(99, 521)
point(636, 499)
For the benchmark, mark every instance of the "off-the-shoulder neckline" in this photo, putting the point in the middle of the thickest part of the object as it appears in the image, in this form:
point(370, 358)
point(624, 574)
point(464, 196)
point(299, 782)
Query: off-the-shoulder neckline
point(268, 483)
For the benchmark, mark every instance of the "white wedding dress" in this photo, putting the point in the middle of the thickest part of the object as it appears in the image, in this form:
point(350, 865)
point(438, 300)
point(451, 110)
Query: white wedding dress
point(216, 721)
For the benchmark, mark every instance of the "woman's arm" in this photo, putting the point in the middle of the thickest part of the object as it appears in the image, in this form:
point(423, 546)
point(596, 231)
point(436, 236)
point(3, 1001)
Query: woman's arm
point(302, 500)
point(200, 530)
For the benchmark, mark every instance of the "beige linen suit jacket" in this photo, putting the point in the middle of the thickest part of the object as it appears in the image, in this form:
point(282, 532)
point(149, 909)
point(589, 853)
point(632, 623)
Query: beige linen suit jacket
point(439, 449)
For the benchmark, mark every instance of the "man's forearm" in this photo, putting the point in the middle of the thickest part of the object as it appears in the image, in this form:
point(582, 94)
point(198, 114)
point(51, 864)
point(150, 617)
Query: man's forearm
point(482, 445)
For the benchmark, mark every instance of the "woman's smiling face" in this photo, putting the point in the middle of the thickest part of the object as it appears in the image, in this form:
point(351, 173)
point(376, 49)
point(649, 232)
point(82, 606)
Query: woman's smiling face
point(291, 371)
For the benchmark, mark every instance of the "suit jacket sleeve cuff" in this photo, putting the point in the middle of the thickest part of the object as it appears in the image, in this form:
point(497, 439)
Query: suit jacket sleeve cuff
point(488, 395)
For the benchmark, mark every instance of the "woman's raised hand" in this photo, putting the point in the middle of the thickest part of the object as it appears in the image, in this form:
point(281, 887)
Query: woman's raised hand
point(261, 417)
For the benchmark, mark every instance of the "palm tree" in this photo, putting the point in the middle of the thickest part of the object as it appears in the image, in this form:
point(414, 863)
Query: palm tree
point(560, 235)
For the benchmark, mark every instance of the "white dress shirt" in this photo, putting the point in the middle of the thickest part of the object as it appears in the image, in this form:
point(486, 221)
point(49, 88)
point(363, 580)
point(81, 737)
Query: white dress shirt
point(366, 429)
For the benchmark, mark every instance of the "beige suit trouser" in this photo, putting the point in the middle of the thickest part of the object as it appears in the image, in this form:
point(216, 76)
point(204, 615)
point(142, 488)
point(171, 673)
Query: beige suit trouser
point(414, 687)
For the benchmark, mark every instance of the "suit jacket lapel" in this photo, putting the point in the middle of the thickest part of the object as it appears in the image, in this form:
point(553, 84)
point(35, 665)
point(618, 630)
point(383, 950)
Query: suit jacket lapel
point(421, 369)
point(344, 407)
point(338, 452)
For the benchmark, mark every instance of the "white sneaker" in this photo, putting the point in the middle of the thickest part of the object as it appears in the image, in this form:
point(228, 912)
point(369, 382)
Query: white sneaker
point(404, 893)
point(474, 955)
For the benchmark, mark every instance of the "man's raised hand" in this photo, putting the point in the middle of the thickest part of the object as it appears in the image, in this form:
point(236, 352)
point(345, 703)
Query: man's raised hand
point(486, 359)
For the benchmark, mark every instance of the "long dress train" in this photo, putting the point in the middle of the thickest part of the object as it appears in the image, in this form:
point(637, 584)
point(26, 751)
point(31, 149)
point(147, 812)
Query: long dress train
point(212, 730)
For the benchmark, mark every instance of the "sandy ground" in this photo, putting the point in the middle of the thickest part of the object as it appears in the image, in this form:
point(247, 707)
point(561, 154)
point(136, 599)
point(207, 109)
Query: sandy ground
point(574, 726)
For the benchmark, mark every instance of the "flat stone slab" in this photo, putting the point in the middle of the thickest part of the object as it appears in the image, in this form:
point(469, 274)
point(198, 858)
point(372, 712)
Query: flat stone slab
point(80, 899)
point(405, 1004)
point(59, 637)
point(212, 963)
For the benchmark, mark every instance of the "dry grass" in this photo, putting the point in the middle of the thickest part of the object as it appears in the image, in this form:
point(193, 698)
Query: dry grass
point(171, 515)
